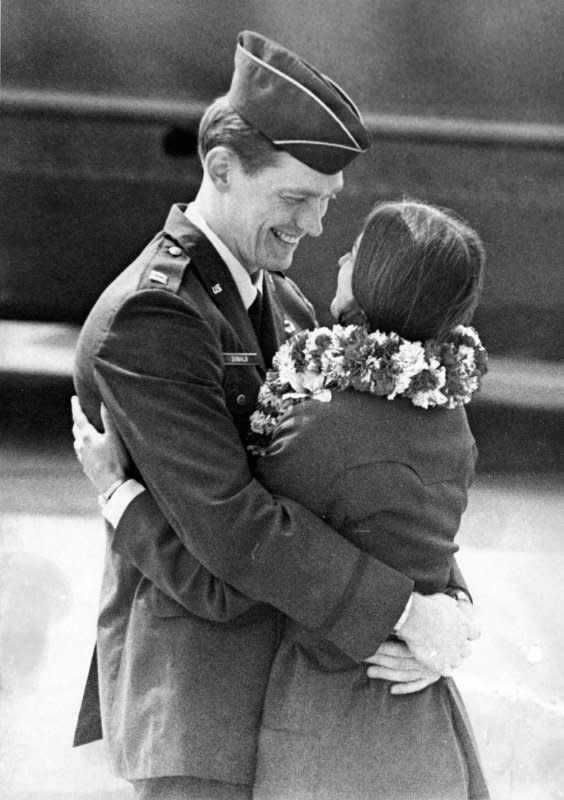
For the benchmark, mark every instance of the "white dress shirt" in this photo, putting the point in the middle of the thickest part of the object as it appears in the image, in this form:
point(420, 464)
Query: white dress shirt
point(246, 285)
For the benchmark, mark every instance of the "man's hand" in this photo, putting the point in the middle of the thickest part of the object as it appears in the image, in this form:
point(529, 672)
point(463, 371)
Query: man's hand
point(103, 456)
point(394, 662)
point(438, 631)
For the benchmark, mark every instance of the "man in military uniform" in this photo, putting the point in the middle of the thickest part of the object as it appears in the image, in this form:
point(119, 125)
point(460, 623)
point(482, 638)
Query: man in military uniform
point(176, 353)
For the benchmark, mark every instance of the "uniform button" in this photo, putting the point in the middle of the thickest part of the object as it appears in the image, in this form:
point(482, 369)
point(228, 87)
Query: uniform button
point(241, 399)
point(174, 251)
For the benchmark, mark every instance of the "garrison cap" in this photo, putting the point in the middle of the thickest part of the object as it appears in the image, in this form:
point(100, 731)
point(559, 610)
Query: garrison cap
point(294, 105)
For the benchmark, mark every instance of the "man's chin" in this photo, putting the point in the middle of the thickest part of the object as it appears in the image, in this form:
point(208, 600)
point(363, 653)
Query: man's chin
point(280, 265)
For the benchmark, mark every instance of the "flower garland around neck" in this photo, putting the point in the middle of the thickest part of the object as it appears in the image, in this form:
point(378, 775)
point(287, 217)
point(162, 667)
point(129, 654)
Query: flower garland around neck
point(314, 364)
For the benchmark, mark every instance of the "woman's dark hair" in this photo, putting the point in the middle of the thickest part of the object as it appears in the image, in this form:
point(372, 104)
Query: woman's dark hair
point(418, 270)
point(222, 125)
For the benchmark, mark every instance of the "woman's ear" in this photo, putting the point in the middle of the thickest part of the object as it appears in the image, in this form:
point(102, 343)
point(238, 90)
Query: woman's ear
point(219, 164)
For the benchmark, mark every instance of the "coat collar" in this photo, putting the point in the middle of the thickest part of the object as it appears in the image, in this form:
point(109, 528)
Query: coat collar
point(205, 259)
point(219, 284)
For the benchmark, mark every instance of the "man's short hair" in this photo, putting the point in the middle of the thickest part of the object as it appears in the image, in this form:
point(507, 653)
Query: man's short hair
point(221, 125)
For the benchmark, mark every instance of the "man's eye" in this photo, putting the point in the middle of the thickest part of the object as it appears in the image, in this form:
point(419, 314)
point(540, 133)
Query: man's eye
point(294, 199)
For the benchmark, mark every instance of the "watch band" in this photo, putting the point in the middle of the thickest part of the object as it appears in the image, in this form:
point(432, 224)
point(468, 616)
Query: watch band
point(104, 497)
point(458, 594)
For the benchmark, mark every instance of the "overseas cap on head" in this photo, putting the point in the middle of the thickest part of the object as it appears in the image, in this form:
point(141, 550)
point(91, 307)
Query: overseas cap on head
point(294, 105)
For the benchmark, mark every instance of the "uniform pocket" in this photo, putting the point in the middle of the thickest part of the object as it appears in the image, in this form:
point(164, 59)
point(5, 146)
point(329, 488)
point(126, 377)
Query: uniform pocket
point(241, 384)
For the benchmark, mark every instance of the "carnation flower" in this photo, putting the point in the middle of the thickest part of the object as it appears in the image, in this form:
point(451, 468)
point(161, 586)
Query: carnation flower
point(288, 370)
point(261, 422)
point(408, 362)
point(428, 398)
point(312, 381)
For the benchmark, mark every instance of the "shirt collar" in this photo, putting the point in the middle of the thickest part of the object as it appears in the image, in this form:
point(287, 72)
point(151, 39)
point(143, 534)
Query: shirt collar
point(246, 287)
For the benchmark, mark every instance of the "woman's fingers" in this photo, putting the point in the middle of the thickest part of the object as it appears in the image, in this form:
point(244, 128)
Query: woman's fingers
point(404, 682)
point(414, 686)
point(107, 421)
point(396, 649)
point(79, 417)
point(84, 433)
point(395, 655)
point(396, 662)
point(400, 675)
point(82, 428)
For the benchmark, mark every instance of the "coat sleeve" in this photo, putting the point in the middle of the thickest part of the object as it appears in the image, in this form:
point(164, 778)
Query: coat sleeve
point(159, 554)
point(383, 506)
point(456, 580)
point(159, 373)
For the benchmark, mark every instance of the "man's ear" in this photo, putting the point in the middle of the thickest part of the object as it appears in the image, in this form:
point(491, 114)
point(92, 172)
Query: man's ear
point(219, 164)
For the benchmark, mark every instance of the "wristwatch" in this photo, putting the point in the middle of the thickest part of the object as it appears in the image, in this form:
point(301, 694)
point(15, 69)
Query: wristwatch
point(104, 497)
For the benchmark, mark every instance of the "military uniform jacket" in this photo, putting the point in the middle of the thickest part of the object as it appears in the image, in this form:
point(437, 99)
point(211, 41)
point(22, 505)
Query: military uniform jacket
point(183, 660)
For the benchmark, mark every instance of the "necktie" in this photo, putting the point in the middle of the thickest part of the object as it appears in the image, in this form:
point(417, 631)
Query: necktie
point(260, 315)
point(255, 314)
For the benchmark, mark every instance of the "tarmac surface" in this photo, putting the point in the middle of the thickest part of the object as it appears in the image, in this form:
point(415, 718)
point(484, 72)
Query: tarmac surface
point(51, 552)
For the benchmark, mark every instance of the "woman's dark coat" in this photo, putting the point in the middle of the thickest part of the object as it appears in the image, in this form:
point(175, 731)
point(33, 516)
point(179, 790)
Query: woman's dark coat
point(393, 479)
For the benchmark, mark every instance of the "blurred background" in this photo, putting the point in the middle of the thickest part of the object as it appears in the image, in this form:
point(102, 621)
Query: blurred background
point(100, 102)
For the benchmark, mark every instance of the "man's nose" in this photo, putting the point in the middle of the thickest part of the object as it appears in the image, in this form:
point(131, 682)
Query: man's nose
point(311, 217)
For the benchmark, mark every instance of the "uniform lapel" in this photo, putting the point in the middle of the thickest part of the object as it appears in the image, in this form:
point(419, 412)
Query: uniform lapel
point(216, 278)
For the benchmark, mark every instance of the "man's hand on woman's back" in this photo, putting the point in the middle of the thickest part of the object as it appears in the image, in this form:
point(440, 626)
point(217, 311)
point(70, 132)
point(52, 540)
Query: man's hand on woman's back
point(438, 631)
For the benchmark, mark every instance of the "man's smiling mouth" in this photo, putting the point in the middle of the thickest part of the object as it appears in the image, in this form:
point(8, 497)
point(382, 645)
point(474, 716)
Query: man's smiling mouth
point(286, 238)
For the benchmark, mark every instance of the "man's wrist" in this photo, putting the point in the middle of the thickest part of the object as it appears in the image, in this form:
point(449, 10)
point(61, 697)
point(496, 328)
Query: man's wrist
point(104, 497)
point(122, 496)
point(458, 595)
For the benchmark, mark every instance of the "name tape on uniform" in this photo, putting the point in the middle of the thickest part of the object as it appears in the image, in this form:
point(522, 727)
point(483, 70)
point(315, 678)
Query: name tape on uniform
point(241, 358)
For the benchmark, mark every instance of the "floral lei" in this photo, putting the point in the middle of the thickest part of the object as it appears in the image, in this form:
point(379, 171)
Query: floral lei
point(313, 364)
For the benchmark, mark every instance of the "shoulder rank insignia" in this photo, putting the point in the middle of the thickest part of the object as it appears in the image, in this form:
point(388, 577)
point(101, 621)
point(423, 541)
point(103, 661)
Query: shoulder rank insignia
point(156, 276)
point(166, 269)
